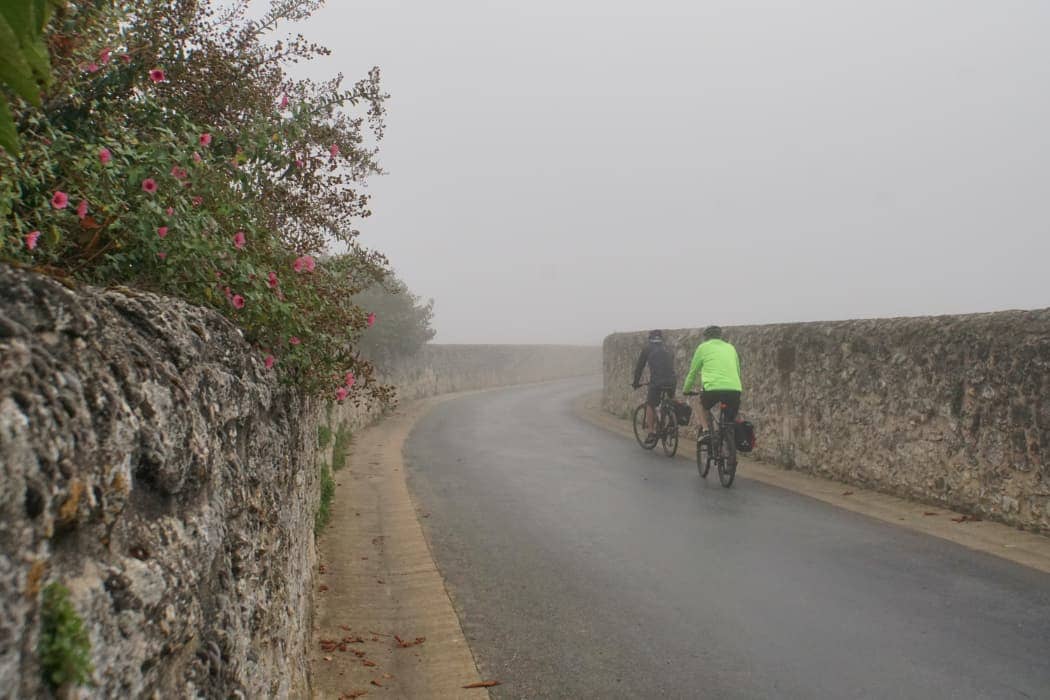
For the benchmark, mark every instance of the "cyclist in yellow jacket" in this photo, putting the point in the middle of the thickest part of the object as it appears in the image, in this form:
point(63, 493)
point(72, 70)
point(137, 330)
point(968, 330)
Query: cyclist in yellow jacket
point(718, 364)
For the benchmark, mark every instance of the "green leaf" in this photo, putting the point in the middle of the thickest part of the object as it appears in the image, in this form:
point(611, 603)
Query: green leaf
point(14, 69)
point(35, 53)
point(8, 133)
point(20, 15)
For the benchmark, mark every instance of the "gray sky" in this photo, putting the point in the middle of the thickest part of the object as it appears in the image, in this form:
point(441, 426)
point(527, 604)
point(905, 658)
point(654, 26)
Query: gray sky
point(562, 169)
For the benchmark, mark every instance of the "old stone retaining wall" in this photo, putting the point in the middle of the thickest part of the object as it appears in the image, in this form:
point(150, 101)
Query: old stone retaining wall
point(952, 410)
point(153, 466)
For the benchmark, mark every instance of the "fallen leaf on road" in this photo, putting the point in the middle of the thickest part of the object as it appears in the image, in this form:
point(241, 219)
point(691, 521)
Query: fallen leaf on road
point(345, 628)
point(929, 512)
point(967, 519)
point(328, 658)
point(482, 684)
point(368, 662)
point(377, 683)
point(404, 645)
point(358, 653)
point(379, 580)
point(353, 695)
point(322, 588)
point(321, 569)
point(847, 493)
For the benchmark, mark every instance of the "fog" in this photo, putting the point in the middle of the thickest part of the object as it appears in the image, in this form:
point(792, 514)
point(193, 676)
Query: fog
point(562, 169)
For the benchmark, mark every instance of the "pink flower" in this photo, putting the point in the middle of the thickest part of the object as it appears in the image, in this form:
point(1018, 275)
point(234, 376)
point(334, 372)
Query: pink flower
point(91, 68)
point(178, 173)
point(218, 275)
point(284, 101)
point(310, 264)
point(104, 56)
point(371, 320)
point(205, 139)
point(197, 201)
point(125, 57)
point(104, 155)
point(334, 150)
point(156, 75)
point(31, 239)
point(239, 240)
point(340, 394)
point(228, 293)
point(162, 255)
point(238, 301)
point(149, 185)
point(294, 340)
point(169, 211)
point(82, 208)
point(60, 200)
point(350, 379)
point(298, 265)
point(197, 157)
point(272, 280)
point(269, 361)
point(162, 231)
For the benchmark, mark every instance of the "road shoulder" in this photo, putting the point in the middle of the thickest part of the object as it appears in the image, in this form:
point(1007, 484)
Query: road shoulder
point(383, 620)
point(1025, 548)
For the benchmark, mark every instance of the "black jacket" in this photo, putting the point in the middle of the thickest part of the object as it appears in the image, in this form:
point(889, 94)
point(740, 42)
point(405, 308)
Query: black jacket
point(661, 365)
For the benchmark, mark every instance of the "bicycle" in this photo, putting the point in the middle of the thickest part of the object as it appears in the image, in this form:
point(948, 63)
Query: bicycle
point(719, 447)
point(666, 425)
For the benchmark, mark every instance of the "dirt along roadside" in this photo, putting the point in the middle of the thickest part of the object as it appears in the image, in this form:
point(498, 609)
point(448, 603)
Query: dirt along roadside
point(1026, 548)
point(383, 622)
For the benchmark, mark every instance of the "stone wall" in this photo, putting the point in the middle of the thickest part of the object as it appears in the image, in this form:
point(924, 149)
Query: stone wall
point(151, 465)
point(155, 468)
point(950, 410)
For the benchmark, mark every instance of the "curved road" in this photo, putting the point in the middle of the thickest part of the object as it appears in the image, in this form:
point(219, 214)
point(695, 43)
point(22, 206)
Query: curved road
point(583, 567)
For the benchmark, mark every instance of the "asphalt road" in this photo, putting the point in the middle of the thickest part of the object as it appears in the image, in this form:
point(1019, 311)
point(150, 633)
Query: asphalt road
point(583, 567)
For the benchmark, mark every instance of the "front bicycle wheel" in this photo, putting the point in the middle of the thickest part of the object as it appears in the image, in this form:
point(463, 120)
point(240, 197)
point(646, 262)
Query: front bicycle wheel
point(727, 460)
point(669, 432)
point(640, 433)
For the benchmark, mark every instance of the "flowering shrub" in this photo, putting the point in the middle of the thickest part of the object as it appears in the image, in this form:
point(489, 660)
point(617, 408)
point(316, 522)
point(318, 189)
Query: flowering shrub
point(173, 154)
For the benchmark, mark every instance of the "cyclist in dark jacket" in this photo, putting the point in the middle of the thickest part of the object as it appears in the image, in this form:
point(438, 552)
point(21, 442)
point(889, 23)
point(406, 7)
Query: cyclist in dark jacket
point(662, 378)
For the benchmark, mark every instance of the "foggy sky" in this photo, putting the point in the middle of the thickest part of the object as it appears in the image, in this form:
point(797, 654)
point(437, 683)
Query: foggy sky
point(563, 169)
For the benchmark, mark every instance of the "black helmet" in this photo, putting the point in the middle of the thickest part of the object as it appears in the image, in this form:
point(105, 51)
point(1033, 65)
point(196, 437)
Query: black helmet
point(656, 336)
point(712, 332)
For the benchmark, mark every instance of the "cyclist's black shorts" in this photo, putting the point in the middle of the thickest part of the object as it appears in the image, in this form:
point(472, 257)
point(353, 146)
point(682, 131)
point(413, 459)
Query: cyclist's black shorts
point(730, 398)
point(656, 392)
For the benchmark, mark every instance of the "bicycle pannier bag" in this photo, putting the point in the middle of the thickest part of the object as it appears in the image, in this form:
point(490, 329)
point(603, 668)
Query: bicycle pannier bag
point(745, 436)
point(684, 412)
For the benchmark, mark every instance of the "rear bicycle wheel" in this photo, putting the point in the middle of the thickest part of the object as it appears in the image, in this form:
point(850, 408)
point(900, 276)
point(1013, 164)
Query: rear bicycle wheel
point(703, 458)
point(669, 432)
point(727, 461)
point(640, 433)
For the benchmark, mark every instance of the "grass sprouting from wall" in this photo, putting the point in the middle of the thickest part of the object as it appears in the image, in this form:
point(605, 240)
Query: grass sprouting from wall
point(64, 649)
point(343, 439)
point(324, 510)
point(324, 436)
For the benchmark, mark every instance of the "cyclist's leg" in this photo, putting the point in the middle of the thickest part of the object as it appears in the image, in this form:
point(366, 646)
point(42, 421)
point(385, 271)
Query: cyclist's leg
point(667, 393)
point(732, 401)
point(652, 400)
point(707, 400)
